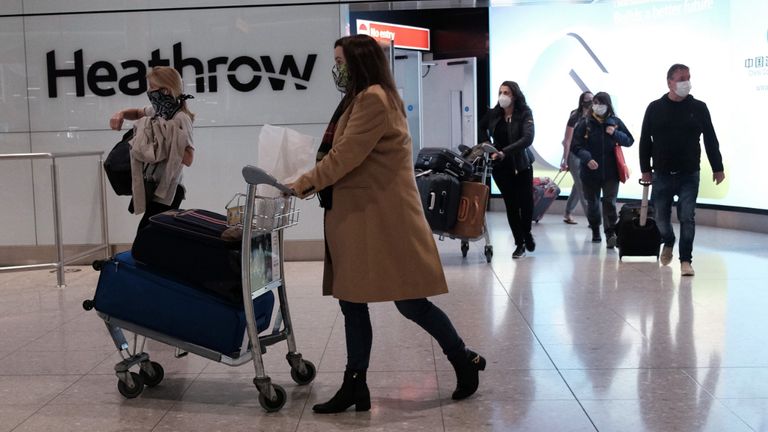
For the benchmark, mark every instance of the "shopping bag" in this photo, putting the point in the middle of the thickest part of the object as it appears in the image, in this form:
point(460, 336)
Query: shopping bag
point(285, 154)
point(621, 164)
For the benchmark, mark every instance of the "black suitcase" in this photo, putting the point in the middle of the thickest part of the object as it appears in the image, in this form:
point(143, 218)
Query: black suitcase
point(636, 231)
point(187, 245)
point(440, 195)
point(443, 160)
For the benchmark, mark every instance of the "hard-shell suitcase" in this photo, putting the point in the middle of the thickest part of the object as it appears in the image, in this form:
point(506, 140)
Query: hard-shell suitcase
point(470, 219)
point(545, 192)
point(133, 293)
point(187, 245)
point(440, 195)
point(636, 231)
point(443, 160)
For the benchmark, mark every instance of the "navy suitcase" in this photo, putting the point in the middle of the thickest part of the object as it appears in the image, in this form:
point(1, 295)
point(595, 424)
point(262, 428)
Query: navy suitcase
point(440, 195)
point(187, 245)
point(637, 234)
point(131, 293)
point(443, 160)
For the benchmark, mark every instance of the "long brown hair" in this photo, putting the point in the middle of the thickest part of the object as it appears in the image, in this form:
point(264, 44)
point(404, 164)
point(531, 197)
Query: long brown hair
point(169, 78)
point(368, 66)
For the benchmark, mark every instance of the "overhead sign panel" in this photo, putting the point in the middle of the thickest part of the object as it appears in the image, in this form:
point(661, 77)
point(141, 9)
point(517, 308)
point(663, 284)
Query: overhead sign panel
point(404, 36)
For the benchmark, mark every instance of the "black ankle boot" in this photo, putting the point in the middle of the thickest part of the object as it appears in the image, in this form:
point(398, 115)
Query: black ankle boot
point(353, 391)
point(596, 238)
point(467, 369)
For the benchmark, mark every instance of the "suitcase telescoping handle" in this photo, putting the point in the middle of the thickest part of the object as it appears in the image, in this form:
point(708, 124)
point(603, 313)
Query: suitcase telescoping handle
point(644, 202)
point(256, 176)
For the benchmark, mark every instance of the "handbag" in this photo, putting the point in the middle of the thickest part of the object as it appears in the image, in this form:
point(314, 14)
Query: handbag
point(117, 165)
point(621, 164)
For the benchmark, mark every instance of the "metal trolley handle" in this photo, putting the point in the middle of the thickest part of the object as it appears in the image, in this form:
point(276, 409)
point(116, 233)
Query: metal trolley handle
point(256, 176)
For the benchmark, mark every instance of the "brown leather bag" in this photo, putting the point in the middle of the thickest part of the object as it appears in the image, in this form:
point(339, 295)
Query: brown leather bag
point(470, 222)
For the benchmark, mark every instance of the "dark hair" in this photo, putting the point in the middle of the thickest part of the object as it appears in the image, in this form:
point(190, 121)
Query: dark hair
point(605, 99)
point(674, 68)
point(367, 66)
point(519, 99)
point(579, 108)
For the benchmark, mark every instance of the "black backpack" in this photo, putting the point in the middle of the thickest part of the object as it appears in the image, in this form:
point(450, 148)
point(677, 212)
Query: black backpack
point(118, 166)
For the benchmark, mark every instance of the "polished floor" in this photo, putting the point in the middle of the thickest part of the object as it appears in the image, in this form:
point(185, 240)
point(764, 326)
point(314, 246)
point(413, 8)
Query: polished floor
point(575, 340)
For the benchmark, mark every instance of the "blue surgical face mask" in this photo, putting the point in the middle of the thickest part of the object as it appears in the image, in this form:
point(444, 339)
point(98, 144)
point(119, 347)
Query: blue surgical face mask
point(599, 109)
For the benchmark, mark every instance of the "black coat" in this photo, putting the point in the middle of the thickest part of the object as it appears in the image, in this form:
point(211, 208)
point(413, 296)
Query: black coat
point(519, 133)
point(591, 141)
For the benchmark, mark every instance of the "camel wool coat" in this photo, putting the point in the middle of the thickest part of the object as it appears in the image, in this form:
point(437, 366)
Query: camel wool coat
point(379, 246)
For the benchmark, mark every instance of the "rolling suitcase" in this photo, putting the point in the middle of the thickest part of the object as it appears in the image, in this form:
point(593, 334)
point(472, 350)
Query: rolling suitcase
point(636, 231)
point(134, 294)
point(470, 219)
point(545, 192)
point(443, 160)
point(440, 195)
point(187, 245)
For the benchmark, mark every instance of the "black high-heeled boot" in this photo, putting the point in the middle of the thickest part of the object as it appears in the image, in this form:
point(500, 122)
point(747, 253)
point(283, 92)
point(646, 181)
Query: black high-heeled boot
point(353, 391)
point(467, 369)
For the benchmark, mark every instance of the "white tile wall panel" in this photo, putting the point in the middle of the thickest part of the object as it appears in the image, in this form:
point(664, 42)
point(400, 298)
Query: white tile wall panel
point(17, 209)
point(14, 115)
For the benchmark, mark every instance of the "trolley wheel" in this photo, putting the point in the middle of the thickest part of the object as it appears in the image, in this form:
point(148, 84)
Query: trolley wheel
point(131, 392)
point(88, 304)
point(464, 248)
point(306, 378)
point(159, 374)
point(273, 405)
point(488, 253)
point(97, 265)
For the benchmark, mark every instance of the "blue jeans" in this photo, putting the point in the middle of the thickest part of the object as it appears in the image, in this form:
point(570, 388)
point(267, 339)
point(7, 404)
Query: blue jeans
point(576, 196)
point(359, 335)
point(686, 187)
point(610, 189)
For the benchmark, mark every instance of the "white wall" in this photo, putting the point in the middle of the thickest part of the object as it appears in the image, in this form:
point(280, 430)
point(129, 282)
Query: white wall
point(227, 124)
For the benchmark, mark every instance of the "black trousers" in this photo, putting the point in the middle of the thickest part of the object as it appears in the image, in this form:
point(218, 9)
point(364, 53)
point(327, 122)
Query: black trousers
point(359, 335)
point(153, 208)
point(517, 191)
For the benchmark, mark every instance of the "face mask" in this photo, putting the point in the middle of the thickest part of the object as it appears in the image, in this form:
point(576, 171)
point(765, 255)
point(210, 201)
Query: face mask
point(599, 109)
point(340, 77)
point(682, 88)
point(165, 106)
point(505, 101)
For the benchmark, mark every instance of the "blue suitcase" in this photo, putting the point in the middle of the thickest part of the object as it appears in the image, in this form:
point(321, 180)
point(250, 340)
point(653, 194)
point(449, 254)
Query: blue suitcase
point(131, 293)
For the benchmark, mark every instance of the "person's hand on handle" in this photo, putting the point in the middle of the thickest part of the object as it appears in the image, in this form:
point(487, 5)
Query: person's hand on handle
point(610, 129)
point(499, 155)
point(646, 177)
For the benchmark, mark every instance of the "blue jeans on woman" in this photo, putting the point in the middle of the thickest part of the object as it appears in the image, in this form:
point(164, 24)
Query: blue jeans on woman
point(591, 191)
point(359, 335)
point(686, 187)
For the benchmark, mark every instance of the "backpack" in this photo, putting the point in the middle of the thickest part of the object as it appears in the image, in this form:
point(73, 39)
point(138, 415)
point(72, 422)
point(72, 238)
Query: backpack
point(117, 166)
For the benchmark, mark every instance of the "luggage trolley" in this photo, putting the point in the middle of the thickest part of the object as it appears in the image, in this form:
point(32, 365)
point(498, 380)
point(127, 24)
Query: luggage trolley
point(267, 216)
point(480, 158)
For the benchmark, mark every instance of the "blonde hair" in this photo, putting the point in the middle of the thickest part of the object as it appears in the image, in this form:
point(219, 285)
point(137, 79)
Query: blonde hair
point(169, 78)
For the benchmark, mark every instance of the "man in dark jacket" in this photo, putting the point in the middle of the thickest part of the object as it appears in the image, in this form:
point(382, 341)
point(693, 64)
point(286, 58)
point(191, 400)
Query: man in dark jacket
point(670, 155)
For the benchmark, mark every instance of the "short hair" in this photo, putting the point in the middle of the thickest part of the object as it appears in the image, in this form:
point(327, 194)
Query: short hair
point(674, 68)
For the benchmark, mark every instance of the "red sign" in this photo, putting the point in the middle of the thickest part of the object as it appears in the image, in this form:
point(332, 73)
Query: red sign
point(404, 36)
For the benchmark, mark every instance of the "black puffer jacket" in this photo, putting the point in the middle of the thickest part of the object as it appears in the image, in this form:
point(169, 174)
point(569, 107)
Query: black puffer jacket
point(591, 141)
point(513, 138)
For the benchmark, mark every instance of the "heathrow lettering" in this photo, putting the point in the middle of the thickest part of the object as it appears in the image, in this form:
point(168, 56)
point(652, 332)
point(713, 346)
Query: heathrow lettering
point(243, 73)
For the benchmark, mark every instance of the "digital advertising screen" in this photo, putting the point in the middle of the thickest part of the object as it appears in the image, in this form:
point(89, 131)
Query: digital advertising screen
point(556, 50)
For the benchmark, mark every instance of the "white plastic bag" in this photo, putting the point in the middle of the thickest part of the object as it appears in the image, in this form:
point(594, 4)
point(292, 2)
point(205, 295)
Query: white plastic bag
point(286, 154)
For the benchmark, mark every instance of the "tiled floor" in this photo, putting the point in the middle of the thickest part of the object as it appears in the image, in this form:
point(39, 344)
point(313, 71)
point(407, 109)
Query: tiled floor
point(575, 341)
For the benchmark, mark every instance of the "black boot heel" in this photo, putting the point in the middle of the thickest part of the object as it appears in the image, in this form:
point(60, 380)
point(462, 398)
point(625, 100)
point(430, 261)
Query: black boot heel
point(467, 369)
point(353, 391)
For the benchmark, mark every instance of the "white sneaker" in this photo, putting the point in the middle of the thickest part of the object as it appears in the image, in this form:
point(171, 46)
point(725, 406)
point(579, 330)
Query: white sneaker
point(686, 269)
point(666, 255)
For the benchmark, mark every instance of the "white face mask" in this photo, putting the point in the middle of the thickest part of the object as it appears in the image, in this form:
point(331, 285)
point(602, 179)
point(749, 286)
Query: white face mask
point(505, 101)
point(599, 109)
point(682, 88)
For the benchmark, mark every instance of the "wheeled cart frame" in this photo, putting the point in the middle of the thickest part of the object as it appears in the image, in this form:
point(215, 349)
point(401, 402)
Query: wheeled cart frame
point(266, 215)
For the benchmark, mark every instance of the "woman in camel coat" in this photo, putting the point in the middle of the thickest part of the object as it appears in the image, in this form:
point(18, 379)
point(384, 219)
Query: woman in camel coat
point(378, 244)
